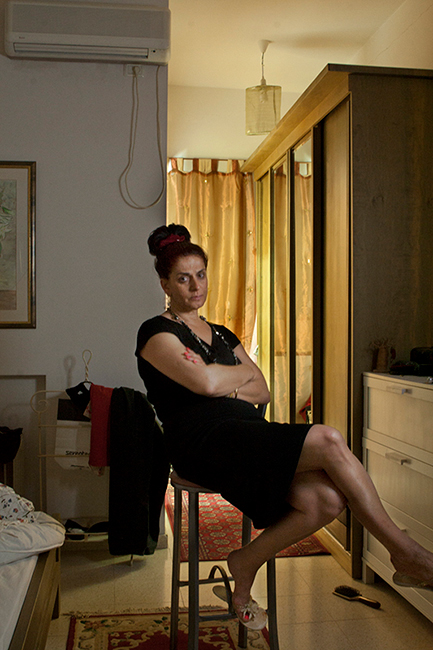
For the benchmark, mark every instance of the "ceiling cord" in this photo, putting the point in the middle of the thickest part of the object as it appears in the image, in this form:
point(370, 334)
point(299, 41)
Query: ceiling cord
point(123, 179)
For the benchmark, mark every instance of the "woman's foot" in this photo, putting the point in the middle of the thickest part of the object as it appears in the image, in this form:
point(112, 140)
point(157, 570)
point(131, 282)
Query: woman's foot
point(403, 580)
point(247, 610)
point(251, 614)
point(243, 574)
point(415, 566)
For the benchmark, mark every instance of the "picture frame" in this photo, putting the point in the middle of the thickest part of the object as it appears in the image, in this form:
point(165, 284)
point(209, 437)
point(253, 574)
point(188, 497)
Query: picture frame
point(17, 244)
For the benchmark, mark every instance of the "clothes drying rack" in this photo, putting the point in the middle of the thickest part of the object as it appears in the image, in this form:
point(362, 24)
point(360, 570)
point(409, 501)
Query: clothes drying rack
point(40, 404)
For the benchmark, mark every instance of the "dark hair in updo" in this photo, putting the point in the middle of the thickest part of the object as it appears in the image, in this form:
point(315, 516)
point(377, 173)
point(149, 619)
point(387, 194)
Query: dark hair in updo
point(167, 253)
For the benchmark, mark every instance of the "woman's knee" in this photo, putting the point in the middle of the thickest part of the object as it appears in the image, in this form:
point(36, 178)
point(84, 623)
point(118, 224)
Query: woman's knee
point(325, 443)
point(327, 435)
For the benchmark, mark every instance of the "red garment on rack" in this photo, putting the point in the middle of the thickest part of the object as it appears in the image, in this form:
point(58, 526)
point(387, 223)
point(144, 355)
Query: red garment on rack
point(100, 403)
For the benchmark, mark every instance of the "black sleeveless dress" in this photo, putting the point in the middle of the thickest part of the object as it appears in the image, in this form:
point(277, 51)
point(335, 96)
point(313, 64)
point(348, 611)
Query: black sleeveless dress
point(222, 443)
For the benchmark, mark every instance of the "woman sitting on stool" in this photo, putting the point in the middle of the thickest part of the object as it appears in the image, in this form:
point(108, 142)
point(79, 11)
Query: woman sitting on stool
point(290, 479)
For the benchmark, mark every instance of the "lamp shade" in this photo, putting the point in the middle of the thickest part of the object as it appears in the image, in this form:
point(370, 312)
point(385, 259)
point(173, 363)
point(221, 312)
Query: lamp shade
point(263, 108)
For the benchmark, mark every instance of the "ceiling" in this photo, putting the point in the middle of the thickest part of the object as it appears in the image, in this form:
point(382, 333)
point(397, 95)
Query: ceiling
point(215, 43)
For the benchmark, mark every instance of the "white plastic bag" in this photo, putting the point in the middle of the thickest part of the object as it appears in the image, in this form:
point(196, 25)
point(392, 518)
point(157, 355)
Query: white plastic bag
point(72, 437)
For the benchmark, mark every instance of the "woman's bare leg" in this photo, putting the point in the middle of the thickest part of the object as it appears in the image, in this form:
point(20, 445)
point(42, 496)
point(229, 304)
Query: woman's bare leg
point(328, 474)
point(315, 502)
point(325, 446)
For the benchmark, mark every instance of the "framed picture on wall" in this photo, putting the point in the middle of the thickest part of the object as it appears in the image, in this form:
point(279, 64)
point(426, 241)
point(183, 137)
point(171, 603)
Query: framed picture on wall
point(17, 244)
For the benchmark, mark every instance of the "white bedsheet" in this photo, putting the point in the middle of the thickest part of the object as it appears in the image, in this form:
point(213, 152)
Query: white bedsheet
point(21, 541)
point(14, 582)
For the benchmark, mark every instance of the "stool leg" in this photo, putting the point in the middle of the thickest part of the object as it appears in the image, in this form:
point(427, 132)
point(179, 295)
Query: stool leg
point(272, 604)
point(246, 538)
point(175, 575)
point(193, 572)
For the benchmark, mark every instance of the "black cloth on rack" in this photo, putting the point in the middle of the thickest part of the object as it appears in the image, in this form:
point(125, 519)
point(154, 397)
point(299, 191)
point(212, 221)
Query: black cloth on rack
point(80, 396)
point(139, 472)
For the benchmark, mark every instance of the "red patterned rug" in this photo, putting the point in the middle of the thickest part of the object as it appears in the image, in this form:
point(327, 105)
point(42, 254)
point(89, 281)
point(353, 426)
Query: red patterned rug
point(152, 632)
point(221, 529)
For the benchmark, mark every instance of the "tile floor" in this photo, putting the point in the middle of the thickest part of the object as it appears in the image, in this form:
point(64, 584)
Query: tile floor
point(310, 617)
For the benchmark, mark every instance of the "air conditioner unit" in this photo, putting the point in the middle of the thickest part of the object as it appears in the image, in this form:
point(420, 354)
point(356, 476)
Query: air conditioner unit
point(87, 31)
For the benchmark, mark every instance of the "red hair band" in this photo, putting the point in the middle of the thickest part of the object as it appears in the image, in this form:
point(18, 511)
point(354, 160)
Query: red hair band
point(171, 239)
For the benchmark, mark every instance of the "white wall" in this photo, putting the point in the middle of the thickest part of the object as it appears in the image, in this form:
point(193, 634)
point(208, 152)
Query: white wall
point(95, 282)
point(210, 123)
point(404, 40)
point(93, 272)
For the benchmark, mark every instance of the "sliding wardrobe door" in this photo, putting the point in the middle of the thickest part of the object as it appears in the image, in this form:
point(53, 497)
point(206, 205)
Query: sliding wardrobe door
point(273, 288)
point(336, 282)
point(336, 287)
point(280, 314)
point(289, 281)
point(288, 311)
point(264, 323)
point(301, 286)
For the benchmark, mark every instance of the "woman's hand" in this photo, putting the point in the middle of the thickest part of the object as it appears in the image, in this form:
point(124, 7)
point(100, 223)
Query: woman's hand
point(256, 390)
point(193, 357)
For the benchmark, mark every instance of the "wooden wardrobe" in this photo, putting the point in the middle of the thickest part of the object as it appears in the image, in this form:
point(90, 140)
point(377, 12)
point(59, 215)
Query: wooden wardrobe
point(344, 188)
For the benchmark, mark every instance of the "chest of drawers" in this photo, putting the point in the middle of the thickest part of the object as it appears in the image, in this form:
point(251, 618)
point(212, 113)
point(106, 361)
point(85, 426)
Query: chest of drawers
point(398, 455)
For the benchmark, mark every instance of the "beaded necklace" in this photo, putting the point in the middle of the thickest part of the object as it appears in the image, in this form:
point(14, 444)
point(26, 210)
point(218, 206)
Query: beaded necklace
point(206, 348)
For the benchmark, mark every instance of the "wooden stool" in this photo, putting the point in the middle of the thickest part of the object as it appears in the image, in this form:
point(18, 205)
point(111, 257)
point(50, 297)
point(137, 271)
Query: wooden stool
point(194, 582)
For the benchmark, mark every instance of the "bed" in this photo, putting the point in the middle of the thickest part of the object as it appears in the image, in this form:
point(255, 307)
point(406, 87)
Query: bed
point(30, 544)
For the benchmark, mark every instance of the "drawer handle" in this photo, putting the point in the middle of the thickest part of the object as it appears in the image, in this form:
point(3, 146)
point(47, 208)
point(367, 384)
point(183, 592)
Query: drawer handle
point(392, 455)
point(398, 391)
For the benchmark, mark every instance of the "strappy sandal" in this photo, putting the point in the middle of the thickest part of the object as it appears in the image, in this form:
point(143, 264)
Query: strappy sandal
point(251, 614)
point(403, 580)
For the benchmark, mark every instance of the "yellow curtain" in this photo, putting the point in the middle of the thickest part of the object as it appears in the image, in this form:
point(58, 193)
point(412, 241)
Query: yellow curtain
point(215, 201)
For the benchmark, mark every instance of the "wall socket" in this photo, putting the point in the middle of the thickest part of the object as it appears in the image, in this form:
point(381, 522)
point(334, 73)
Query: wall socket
point(130, 68)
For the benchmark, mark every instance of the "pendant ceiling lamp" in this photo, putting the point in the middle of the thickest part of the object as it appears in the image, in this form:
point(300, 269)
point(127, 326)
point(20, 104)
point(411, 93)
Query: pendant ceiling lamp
point(262, 103)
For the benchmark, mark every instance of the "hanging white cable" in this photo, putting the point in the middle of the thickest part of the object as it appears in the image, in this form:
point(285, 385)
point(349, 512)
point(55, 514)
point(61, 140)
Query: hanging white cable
point(123, 179)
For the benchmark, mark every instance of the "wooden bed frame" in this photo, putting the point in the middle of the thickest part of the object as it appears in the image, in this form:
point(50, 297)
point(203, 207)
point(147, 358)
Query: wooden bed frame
point(42, 601)
point(41, 604)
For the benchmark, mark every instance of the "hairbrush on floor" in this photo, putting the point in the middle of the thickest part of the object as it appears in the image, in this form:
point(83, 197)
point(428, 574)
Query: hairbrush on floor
point(350, 593)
